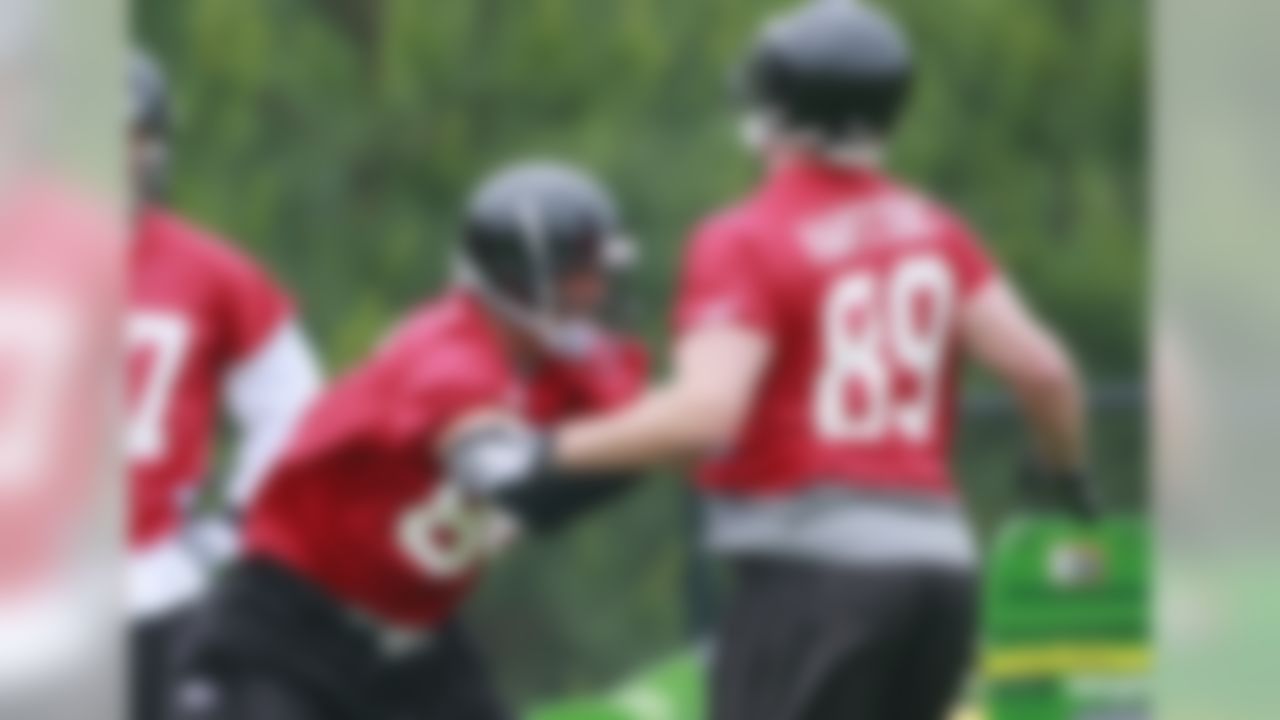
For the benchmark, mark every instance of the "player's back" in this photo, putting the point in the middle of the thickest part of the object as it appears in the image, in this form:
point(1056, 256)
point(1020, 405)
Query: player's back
point(856, 281)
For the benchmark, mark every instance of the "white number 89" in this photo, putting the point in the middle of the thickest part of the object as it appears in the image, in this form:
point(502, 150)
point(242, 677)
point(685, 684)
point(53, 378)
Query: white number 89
point(887, 333)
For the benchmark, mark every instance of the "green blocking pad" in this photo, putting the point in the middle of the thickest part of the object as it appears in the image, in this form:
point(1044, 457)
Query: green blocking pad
point(1067, 620)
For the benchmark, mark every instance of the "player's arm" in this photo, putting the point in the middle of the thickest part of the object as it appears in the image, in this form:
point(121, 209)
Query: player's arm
point(488, 442)
point(614, 375)
point(265, 395)
point(999, 331)
point(717, 371)
point(270, 375)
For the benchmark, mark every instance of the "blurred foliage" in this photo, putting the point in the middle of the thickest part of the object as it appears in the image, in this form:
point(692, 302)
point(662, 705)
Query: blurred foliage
point(337, 140)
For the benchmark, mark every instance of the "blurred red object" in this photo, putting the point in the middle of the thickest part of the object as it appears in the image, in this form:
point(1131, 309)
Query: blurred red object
point(60, 297)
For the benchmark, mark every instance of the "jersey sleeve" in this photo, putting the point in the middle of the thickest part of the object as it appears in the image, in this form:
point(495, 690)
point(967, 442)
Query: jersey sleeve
point(973, 264)
point(723, 283)
point(253, 306)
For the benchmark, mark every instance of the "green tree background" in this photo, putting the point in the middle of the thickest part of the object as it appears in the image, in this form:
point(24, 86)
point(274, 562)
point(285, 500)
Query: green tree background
point(337, 140)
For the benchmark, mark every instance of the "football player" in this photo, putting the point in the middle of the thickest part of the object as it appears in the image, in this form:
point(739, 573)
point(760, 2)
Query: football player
point(208, 333)
point(359, 553)
point(821, 323)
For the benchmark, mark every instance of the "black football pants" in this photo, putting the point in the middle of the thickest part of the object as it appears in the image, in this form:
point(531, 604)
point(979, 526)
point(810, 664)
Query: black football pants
point(151, 647)
point(268, 645)
point(805, 641)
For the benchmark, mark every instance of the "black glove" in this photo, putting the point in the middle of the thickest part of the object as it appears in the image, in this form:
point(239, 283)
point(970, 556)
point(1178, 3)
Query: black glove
point(545, 507)
point(1070, 491)
point(495, 460)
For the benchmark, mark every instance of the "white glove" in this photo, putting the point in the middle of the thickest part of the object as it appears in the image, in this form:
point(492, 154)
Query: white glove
point(492, 460)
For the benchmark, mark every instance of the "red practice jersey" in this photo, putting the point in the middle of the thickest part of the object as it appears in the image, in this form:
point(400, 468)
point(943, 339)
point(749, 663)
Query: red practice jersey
point(857, 282)
point(196, 309)
point(357, 504)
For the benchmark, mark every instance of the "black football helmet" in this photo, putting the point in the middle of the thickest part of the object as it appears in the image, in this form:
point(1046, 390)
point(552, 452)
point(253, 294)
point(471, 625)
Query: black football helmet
point(831, 71)
point(149, 123)
point(528, 227)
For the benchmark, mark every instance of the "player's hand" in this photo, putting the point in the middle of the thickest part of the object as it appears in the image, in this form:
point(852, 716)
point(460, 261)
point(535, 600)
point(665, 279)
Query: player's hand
point(1072, 492)
point(1075, 494)
point(493, 459)
point(214, 538)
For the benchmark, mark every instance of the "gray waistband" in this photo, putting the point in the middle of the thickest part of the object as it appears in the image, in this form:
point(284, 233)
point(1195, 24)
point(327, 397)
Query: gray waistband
point(836, 524)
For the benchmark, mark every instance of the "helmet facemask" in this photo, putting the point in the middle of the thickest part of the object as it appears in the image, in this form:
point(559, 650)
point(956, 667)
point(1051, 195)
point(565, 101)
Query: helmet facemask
point(559, 302)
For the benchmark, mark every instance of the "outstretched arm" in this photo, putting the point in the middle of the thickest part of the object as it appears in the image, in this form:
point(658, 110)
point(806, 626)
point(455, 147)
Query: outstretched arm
point(717, 371)
point(266, 395)
point(699, 409)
